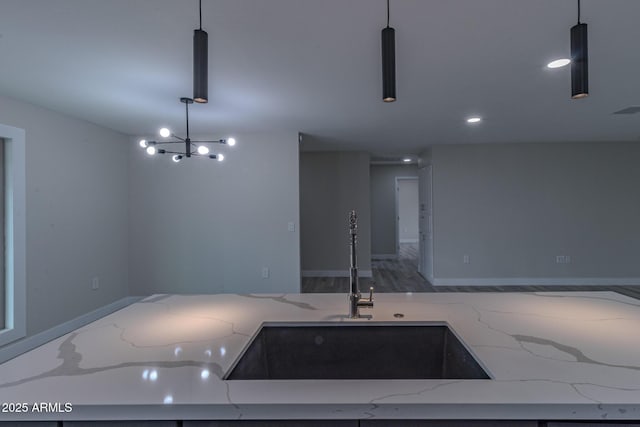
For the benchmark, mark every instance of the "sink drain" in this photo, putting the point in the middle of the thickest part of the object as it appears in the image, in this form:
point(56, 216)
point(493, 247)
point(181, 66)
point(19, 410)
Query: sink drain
point(398, 315)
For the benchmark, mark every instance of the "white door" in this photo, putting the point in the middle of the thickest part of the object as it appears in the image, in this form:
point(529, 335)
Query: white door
point(407, 209)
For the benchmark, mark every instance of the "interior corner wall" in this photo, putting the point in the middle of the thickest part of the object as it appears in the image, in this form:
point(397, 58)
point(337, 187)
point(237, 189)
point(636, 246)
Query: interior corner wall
point(76, 213)
point(383, 206)
point(202, 226)
point(424, 158)
point(513, 208)
point(331, 185)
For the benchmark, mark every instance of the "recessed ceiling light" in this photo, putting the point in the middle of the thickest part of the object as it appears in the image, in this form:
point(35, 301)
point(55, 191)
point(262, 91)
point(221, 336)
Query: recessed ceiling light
point(406, 160)
point(559, 63)
point(474, 119)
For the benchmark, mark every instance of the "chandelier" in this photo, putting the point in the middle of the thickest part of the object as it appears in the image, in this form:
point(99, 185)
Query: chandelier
point(191, 148)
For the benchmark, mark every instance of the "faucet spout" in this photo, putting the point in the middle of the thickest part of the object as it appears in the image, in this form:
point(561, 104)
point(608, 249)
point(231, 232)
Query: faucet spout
point(355, 299)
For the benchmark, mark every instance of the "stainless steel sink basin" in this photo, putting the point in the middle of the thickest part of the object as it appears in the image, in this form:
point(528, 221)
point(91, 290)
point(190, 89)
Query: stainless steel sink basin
point(356, 351)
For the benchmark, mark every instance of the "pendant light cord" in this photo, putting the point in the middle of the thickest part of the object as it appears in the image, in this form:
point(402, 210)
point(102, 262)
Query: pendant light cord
point(578, 11)
point(388, 13)
point(201, 14)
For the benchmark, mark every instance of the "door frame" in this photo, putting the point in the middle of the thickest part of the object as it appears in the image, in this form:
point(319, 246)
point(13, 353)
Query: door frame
point(426, 191)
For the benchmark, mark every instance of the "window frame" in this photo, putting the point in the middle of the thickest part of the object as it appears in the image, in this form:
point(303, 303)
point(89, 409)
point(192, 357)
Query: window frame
point(15, 235)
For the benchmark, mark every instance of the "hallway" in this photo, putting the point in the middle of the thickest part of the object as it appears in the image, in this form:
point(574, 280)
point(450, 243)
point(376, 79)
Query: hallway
point(401, 275)
point(389, 275)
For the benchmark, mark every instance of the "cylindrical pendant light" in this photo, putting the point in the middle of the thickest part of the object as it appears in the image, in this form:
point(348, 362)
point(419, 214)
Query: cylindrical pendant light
point(388, 62)
point(200, 66)
point(200, 63)
point(579, 60)
point(388, 65)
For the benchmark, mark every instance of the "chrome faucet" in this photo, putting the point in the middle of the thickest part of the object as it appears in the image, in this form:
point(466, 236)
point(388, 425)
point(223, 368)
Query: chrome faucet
point(355, 299)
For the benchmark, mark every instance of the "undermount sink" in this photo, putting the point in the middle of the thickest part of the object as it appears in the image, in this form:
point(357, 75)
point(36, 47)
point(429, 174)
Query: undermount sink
point(357, 351)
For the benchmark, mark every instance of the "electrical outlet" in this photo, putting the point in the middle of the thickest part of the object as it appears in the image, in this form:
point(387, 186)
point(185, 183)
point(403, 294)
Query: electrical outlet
point(567, 259)
point(291, 227)
point(95, 283)
point(465, 259)
point(265, 272)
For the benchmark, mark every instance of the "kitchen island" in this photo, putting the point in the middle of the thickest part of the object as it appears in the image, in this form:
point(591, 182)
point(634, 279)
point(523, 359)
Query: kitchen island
point(550, 356)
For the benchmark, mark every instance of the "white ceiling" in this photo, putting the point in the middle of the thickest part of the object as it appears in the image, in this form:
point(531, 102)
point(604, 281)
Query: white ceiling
point(314, 66)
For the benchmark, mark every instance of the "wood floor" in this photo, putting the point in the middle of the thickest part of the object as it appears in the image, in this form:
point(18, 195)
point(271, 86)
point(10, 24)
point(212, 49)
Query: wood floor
point(401, 275)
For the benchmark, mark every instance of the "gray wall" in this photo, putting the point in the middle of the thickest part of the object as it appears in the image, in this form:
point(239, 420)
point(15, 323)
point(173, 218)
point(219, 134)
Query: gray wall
point(331, 185)
point(76, 213)
point(514, 208)
point(202, 226)
point(383, 223)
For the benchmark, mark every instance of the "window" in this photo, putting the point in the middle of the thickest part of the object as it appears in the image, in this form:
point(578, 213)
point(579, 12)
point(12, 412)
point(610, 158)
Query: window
point(13, 287)
point(2, 239)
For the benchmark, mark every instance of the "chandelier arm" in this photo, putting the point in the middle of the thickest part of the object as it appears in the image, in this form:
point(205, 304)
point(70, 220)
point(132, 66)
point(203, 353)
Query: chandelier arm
point(173, 152)
point(219, 141)
point(196, 154)
point(165, 142)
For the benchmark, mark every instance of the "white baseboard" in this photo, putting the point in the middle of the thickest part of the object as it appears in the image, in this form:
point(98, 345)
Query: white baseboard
point(538, 281)
point(334, 273)
point(384, 256)
point(408, 240)
point(19, 347)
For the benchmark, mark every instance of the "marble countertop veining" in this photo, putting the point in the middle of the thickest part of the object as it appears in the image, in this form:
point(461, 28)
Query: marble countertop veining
point(550, 356)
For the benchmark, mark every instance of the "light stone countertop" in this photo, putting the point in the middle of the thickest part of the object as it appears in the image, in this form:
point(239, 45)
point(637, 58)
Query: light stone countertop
point(550, 356)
